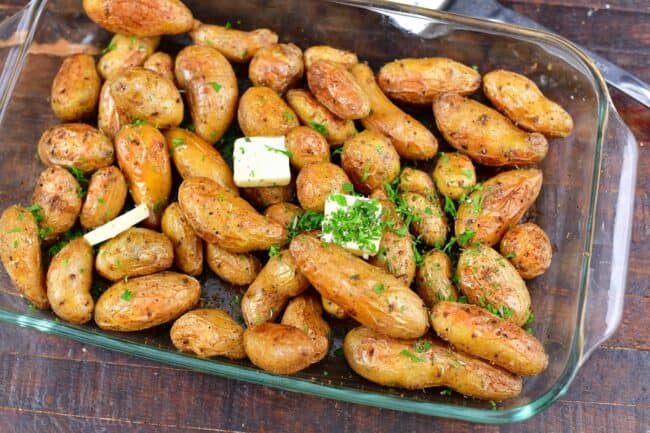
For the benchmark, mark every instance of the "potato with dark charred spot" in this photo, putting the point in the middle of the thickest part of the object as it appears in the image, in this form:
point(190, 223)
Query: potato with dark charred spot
point(162, 64)
point(418, 181)
point(125, 52)
point(188, 247)
point(434, 278)
point(75, 89)
point(325, 52)
point(264, 196)
point(316, 182)
point(284, 213)
point(429, 222)
point(105, 197)
point(262, 112)
point(454, 175)
point(306, 146)
point(528, 248)
point(334, 86)
point(238, 46)
point(306, 313)
point(237, 269)
point(75, 145)
point(370, 160)
point(277, 348)
point(208, 332)
point(333, 309)
point(57, 193)
point(278, 66)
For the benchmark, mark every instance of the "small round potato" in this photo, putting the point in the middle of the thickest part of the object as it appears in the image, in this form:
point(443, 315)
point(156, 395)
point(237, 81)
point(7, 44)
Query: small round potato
point(75, 89)
point(370, 160)
point(57, 192)
point(207, 333)
point(262, 112)
point(237, 269)
point(434, 278)
point(325, 52)
point(431, 221)
point(75, 145)
point(528, 248)
point(335, 87)
point(418, 181)
point(238, 46)
point(109, 118)
point(316, 182)
point(306, 146)
point(188, 247)
point(125, 52)
point(277, 348)
point(306, 313)
point(278, 66)
point(454, 174)
point(162, 64)
point(284, 213)
point(264, 196)
point(105, 197)
point(333, 309)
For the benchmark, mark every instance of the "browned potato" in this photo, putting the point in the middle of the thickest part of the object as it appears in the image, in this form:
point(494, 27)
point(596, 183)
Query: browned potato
point(454, 174)
point(277, 282)
point(528, 248)
point(162, 64)
point(335, 87)
point(313, 114)
point(263, 196)
point(434, 278)
point(109, 118)
point(370, 295)
point(424, 363)
point(125, 52)
point(75, 89)
point(484, 134)
point(520, 99)
point(237, 269)
point(370, 160)
point(141, 18)
point(238, 46)
point(144, 302)
point(280, 349)
point(306, 313)
point(211, 88)
point(333, 309)
point(285, 214)
point(489, 280)
point(20, 251)
point(262, 112)
point(221, 217)
point(500, 203)
point(306, 146)
point(431, 222)
point(188, 248)
point(316, 182)
point(105, 198)
point(57, 193)
point(75, 145)
point(207, 333)
point(418, 181)
point(324, 52)
point(418, 81)
point(411, 139)
point(278, 66)
point(143, 157)
point(69, 279)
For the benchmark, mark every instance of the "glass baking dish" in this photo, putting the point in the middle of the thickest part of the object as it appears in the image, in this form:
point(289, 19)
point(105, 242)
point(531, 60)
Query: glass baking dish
point(585, 206)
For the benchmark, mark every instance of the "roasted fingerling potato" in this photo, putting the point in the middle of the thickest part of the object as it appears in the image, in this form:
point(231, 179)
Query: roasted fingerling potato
point(454, 175)
point(316, 182)
point(286, 214)
point(528, 248)
point(75, 89)
point(331, 54)
point(237, 45)
point(105, 197)
point(278, 66)
point(370, 160)
point(238, 269)
point(162, 64)
point(58, 197)
point(336, 88)
point(75, 145)
point(207, 333)
point(305, 312)
point(429, 221)
point(433, 278)
point(188, 247)
point(279, 349)
point(262, 112)
point(306, 146)
point(418, 181)
point(124, 52)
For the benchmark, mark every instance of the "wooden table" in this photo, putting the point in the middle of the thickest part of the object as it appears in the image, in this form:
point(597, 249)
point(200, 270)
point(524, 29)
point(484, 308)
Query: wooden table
point(49, 384)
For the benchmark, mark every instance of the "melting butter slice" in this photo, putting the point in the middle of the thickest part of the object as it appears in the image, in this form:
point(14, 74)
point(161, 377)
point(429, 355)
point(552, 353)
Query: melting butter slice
point(261, 161)
point(117, 225)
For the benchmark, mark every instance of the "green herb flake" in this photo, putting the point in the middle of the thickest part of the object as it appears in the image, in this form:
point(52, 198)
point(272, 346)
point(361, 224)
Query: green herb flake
point(319, 127)
point(412, 356)
point(138, 122)
point(450, 206)
point(366, 173)
point(287, 115)
point(511, 255)
point(465, 237)
point(468, 173)
point(216, 86)
point(111, 46)
point(228, 25)
point(45, 232)
point(338, 352)
point(81, 178)
point(493, 405)
point(16, 230)
point(274, 251)
point(15, 243)
point(283, 152)
point(347, 187)
point(178, 141)
point(236, 300)
point(101, 200)
point(127, 295)
point(21, 216)
point(422, 346)
point(378, 288)
point(447, 392)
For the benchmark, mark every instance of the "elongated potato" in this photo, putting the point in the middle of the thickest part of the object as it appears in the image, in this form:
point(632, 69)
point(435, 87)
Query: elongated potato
point(237, 269)
point(220, 217)
point(69, 279)
point(211, 88)
point(144, 302)
point(367, 293)
point(325, 52)
point(188, 248)
point(418, 181)
point(333, 309)
point(528, 248)
point(57, 194)
point(484, 134)
point(280, 349)
point(306, 313)
point(264, 196)
point(370, 159)
point(262, 112)
point(434, 278)
point(285, 214)
point(424, 363)
point(278, 66)
point(238, 46)
point(418, 81)
point(480, 333)
point(520, 99)
point(75, 89)
point(20, 251)
point(489, 280)
point(125, 52)
point(316, 182)
point(75, 145)
point(411, 139)
point(109, 118)
point(207, 333)
point(431, 222)
point(306, 146)
point(334, 86)
point(501, 202)
point(162, 64)
point(454, 174)
point(105, 198)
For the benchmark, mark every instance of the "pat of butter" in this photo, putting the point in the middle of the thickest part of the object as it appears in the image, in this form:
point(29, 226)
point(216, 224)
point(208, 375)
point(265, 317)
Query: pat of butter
point(261, 161)
point(116, 226)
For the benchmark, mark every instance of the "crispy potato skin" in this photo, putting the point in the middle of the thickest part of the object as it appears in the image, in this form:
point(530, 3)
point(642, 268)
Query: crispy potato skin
point(530, 249)
point(334, 86)
point(141, 18)
point(262, 112)
point(105, 198)
point(418, 181)
point(208, 332)
point(69, 279)
point(418, 81)
point(486, 278)
point(263, 196)
point(238, 46)
point(306, 313)
point(454, 175)
point(325, 52)
point(188, 247)
point(220, 217)
point(357, 287)
point(501, 203)
point(283, 213)
point(162, 64)
point(125, 52)
point(370, 159)
point(75, 145)
point(57, 193)
point(278, 66)
point(411, 139)
point(237, 269)
point(277, 348)
point(432, 222)
point(316, 182)
point(20, 251)
point(307, 147)
point(144, 302)
point(484, 134)
point(434, 278)
point(75, 89)
point(520, 99)
point(333, 309)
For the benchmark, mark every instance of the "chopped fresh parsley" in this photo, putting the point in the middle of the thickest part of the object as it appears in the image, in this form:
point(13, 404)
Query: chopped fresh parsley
point(319, 127)
point(287, 115)
point(274, 250)
point(468, 173)
point(127, 295)
point(16, 230)
point(235, 300)
point(138, 122)
point(357, 223)
point(283, 152)
point(178, 141)
point(338, 352)
point(366, 173)
point(465, 237)
point(447, 392)
point(347, 187)
point(216, 86)
point(81, 178)
point(308, 221)
point(511, 255)
point(378, 288)
point(450, 206)
point(111, 46)
point(422, 346)
point(412, 356)
point(228, 25)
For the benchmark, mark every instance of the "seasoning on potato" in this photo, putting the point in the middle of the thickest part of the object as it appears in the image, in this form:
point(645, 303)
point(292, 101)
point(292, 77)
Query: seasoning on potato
point(188, 247)
point(429, 220)
point(207, 333)
point(434, 278)
point(334, 86)
point(370, 160)
point(237, 269)
point(331, 54)
point(528, 248)
point(124, 52)
point(286, 214)
point(305, 312)
point(454, 175)
point(75, 89)
point(262, 112)
point(277, 348)
point(418, 181)
point(237, 45)
point(162, 64)
point(58, 198)
point(316, 182)
point(75, 145)
point(306, 146)
point(105, 198)
point(278, 66)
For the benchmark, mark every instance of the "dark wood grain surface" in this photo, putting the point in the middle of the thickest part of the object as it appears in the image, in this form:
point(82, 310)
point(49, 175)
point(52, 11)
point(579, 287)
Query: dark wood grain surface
point(49, 384)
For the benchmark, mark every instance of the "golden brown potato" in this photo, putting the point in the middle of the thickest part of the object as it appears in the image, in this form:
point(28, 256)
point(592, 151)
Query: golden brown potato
point(143, 157)
point(489, 280)
point(430, 221)
point(418, 181)
point(324, 52)
point(277, 282)
point(370, 295)
point(434, 278)
point(306, 313)
point(109, 118)
point(484, 134)
point(105, 197)
point(75, 89)
point(520, 99)
point(280, 349)
point(278, 66)
point(211, 89)
point(500, 203)
point(370, 160)
point(313, 114)
point(262, 112)
point(221, 217)
point(454, 175)
point(125, 52)
point(58, 194)
point(141, 18)
point(238, 46)
point(285, 214)
point(69, 279)
point(424, 363)
point(237, 269)
point(316, 182)
point(411, 139)
point(144, 302)
point(334, 86)
point(188, 248)
point(207, 333)
point(333, 309)
point(528, 248)
point(75, 145)
point(306, 146)
point(20, 251)
point(418, 81)
point(263, 196)
point(162, 64)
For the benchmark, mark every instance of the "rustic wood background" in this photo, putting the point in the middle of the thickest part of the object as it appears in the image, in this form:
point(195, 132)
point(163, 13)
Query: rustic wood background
point(49, 384)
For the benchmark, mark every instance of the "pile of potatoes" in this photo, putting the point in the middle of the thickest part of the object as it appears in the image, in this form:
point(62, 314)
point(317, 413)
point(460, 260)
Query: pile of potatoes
point(133, 101)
